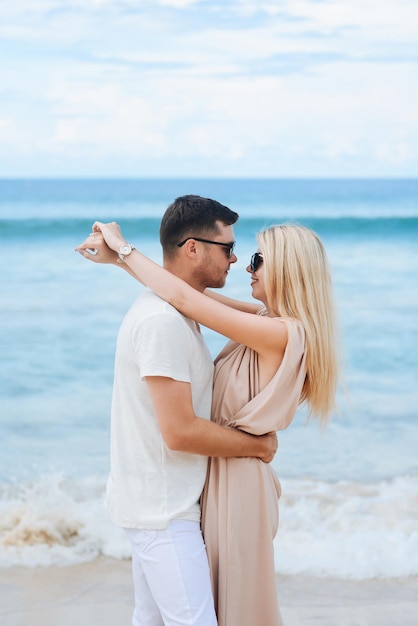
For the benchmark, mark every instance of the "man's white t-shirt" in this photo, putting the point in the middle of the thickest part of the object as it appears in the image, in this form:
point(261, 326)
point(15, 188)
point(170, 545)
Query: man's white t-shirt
point(149, 484)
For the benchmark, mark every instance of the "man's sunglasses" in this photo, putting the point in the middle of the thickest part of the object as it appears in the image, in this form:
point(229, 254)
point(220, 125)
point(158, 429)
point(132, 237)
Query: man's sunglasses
point(228, 247)
point(256, 261)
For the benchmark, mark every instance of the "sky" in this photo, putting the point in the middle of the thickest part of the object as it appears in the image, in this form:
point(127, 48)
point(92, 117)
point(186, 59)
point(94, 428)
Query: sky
point(209, 88)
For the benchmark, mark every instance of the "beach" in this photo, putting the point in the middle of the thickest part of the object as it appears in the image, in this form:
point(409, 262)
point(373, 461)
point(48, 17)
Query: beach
point(100, 592)
point(347, 548)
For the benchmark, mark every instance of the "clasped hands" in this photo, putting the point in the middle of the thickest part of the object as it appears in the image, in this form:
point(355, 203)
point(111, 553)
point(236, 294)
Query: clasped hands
point(102, 244)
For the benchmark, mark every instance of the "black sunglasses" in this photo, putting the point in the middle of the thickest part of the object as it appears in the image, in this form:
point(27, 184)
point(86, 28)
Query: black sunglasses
point(228, 247)
point(256, 261)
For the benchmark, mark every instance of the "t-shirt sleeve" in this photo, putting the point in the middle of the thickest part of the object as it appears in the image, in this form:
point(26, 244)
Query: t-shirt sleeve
point(161, 344)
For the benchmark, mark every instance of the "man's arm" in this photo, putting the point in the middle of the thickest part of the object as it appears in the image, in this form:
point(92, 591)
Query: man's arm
point(182, 430)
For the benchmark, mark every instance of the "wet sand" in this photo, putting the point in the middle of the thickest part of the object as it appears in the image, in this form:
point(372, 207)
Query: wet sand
point(100, 592)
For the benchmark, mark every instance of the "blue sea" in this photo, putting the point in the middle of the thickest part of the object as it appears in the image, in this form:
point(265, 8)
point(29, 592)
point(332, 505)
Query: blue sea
point(350, 494)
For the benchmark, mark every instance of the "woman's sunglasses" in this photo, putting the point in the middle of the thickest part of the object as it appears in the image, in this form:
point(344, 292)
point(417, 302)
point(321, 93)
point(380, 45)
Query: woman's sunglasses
point(256, 261)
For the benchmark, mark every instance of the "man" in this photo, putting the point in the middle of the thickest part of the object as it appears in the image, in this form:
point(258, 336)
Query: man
point(161, 431)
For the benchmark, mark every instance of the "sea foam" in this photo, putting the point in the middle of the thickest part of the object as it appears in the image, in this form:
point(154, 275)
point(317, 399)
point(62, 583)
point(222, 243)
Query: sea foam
point(343, 529)
point(349, 529)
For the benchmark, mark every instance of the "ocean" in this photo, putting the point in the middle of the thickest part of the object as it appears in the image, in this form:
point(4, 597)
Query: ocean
point(350, 493)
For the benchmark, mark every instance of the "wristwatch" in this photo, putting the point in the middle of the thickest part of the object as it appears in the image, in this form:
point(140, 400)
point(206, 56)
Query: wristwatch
point(124, 250)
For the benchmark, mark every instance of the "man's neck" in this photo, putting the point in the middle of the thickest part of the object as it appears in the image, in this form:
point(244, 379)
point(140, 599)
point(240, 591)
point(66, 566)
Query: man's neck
point(184, 273)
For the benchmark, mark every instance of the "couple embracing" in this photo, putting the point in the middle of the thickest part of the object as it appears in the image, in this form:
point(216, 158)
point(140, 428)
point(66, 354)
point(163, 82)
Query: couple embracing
point(191, 442)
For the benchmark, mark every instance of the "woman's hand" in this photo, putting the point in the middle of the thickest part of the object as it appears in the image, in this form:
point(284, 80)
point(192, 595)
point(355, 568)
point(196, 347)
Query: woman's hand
point(111, 233)
point(95, 249)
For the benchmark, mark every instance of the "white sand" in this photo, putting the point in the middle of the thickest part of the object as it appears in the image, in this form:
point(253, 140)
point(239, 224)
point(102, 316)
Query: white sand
point(100, 593)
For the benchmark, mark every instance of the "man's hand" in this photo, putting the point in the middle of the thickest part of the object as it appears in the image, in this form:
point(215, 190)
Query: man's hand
point(95, 249)
point(271, 443)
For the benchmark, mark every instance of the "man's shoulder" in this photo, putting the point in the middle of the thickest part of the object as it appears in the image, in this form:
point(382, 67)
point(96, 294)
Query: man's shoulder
point(150, 319)
point(149, 306)
point(148, 303)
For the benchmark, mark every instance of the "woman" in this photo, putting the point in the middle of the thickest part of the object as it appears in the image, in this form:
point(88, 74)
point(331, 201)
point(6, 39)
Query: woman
point(280, 355)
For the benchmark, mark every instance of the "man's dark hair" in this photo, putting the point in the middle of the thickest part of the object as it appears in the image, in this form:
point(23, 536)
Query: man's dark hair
point(192, 215)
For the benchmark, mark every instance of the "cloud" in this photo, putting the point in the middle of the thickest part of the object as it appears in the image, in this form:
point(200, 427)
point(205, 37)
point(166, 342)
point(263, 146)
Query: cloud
point(8, 134)
point(104, 121)
point(245, 86)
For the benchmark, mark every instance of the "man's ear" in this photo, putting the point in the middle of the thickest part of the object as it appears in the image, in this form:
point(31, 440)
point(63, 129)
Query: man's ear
point(190, 249)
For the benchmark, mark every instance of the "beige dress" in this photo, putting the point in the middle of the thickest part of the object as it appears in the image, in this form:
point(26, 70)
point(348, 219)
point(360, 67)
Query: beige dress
point(239, 502)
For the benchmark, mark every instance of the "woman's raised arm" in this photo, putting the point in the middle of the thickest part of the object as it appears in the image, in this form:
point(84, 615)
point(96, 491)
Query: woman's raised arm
point(239, 305)
point(261, 333)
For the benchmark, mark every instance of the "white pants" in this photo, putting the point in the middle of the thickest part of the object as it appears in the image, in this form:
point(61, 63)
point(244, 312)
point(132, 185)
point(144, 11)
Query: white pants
point(171, 576)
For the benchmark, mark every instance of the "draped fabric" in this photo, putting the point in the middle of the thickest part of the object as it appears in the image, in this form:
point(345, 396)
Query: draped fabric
point(240, 499)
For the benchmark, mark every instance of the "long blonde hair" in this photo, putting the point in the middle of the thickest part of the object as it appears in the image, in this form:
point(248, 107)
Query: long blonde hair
point(298, 285)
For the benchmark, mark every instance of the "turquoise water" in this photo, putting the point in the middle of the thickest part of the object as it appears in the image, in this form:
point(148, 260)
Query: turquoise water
point(59, 317)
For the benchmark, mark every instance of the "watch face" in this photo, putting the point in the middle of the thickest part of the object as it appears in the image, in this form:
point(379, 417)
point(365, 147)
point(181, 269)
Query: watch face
point(125, 249)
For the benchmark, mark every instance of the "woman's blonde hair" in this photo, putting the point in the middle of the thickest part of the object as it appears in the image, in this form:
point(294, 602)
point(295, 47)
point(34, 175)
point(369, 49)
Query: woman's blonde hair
point(298, 285)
